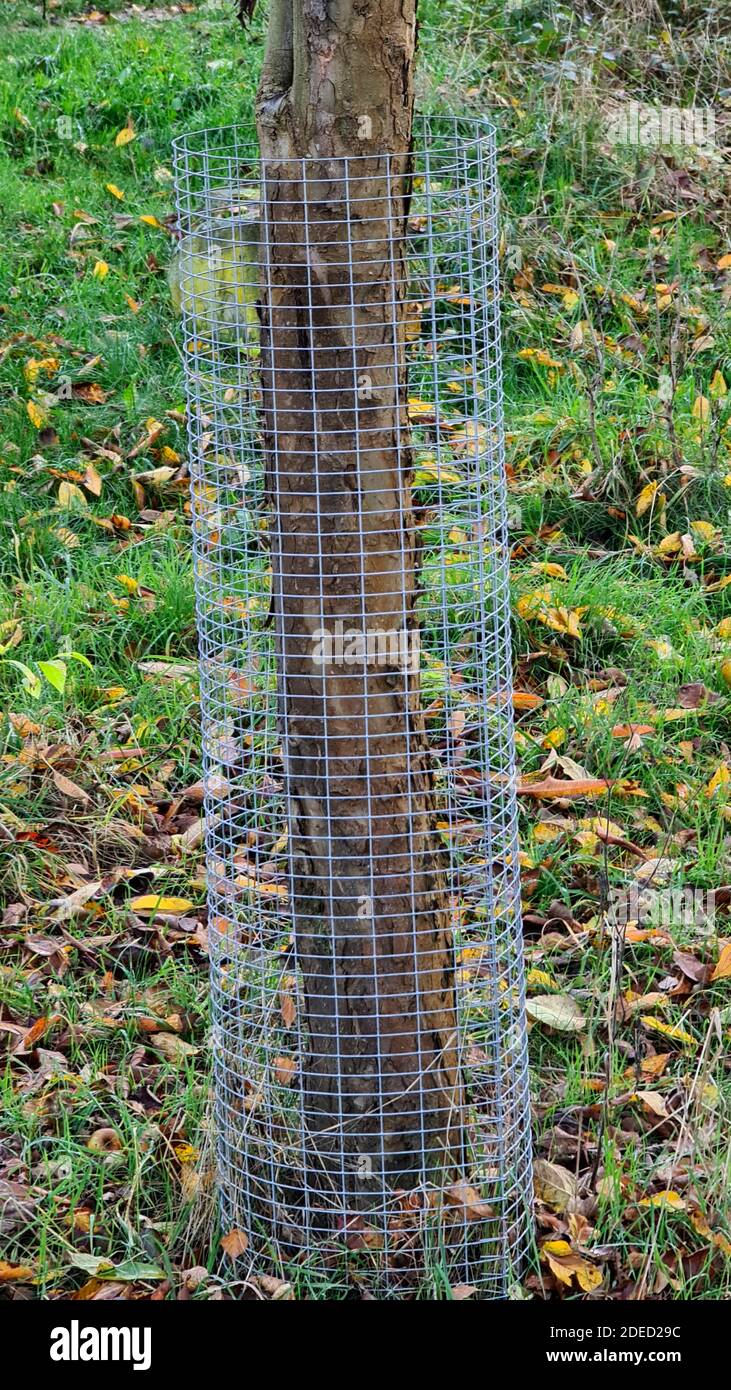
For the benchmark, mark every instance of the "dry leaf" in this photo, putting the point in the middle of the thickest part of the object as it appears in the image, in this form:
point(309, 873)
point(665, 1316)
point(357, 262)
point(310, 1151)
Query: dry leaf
point(172, 1047)
point(284, 1070)
point(235, 1243)
point(722, 968)
point(555, 1186)
point(556, 1011)
point(553, 788)
point(18, 1274)
point(566, 1265)
point(70, 789)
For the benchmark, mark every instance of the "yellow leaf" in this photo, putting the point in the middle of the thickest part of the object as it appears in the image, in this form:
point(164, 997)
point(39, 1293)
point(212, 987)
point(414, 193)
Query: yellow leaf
point(722, 968)
point(418, 409)
point(115, 192)
point(565, 1264)
point(539, 979)
point(704, 530)
point(131, 585)
point(667, 1200)
point(151, 903)
point(724, 263)
point(150, 220)
point(101, 270)
point(668, 1030)
point(547, 567)
point(554, 738)
point(69, 495)
point(530, 605)
point(661, 647)
point(720, 778)
point(539, 355)
point(428, 470)
point(125, 135)
point(649, 496)
point(133, 304)
point(701, 408)
point(256, 885)
point(718, 386)
point(36, 416)
point(562, 619)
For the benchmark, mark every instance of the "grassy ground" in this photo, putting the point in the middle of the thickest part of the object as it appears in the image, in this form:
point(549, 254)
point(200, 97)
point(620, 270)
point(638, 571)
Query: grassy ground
point(617, 354)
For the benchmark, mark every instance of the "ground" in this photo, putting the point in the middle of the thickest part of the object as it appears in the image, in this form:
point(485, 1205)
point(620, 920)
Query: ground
point(617, 281)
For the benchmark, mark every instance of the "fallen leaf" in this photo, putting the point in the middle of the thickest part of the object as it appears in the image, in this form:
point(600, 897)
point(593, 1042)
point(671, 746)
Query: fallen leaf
point(172, 1047)
point(722, 968)
point(70, 789)
point(150, 903)
point(15, 1274)
point(668, 1030)
point(553, 788)
point(104, 1141)
point(235, 1243)
point(667, 1200)
point(649, 496)
point(556, 1011)
point(555, 1186)
point(566, 1265)
point(284, 1070)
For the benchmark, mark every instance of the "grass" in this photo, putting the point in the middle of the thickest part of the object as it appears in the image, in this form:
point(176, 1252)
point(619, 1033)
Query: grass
point(619, 470)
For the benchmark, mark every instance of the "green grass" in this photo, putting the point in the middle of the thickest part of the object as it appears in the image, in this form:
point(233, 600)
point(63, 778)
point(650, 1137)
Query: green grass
point(589, 430)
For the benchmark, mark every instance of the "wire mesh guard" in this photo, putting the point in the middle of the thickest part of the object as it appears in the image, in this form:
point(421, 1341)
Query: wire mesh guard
point(341, 342)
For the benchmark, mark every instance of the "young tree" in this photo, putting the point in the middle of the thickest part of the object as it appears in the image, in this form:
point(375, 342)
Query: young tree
point(381, 1081)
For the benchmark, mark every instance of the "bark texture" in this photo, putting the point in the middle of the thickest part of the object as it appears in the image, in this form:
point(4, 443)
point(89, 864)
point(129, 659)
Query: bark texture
point(381, 1078)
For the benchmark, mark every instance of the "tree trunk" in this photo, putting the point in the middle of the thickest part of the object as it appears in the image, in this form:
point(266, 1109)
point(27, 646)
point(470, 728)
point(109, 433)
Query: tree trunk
point(382, 1090)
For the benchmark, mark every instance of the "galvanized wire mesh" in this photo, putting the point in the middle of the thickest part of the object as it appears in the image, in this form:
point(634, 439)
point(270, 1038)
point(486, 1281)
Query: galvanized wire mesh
point(386, 607)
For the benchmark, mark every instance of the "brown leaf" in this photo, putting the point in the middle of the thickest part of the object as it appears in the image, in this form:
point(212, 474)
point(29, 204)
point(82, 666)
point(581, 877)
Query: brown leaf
point(555, 1186)
point(695, 694)
point(553, 788)
point(284, 1070)
point(467, 1198)
point(288, 1010)
point(235, 1243)
point(104, 1141)
point(173, 1048)
point(71, 790)
point(19, 1274)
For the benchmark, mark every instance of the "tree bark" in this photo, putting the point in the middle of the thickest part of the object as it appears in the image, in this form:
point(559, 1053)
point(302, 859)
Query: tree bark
point(382, 1090)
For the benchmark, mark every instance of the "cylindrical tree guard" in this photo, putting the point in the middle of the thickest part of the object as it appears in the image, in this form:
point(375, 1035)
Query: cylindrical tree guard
point(341, 342)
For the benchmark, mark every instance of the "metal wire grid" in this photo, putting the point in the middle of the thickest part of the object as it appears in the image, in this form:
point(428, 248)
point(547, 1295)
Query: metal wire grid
point(470, 1220)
